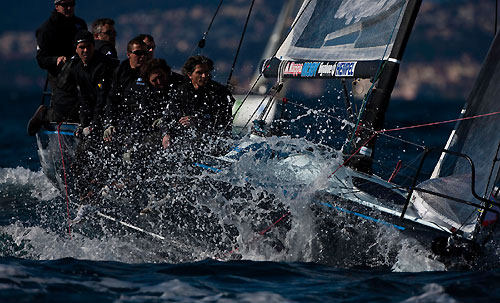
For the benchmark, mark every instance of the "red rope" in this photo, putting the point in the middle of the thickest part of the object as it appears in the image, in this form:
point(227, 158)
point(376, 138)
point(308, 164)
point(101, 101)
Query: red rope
point(409, 127)
point(64, 173)
point(341, 165)
point(436, 123)
point(396, 171)
point(274, 224)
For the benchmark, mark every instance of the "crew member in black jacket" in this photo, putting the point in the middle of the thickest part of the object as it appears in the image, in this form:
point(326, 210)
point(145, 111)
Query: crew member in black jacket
point(93, 74)
point(126, 90)
point(207, 103)
point(71, 91)
point(55, 38)
point(105, 38)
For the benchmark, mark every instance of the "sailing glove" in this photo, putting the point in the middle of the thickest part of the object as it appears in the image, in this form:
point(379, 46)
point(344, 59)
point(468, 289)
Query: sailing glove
point(157, 123)
point(108, 133)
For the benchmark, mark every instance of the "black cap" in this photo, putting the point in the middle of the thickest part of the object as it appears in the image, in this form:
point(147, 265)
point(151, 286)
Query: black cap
point(83, 36)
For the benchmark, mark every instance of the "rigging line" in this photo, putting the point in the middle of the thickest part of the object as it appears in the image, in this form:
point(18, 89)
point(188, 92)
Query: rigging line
point(407, 166)
point(493, 164)
point(239, 45)
point(465, 221)
point(409, 127)
point(267, 109)
point(274, 54)
point(256, 109)
point(496, 18)
point(437, 123)
point(319, 113)
point(157, 236)
point(64, 174)
point(274, 223)
point(377, 74)
point(352, 155)
point(201, 44)
point(108, 217)
point(403, 140)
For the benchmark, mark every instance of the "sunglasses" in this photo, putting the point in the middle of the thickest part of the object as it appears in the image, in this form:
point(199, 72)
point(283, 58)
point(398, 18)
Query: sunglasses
point(140, 53)
point(110, 33)
point(66, 4)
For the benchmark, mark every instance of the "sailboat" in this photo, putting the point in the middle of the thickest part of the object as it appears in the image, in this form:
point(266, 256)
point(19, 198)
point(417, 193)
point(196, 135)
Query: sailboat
point(454, 212)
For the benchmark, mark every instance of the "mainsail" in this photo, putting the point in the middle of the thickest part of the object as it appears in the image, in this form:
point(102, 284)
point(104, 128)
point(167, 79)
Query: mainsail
point(340, 30)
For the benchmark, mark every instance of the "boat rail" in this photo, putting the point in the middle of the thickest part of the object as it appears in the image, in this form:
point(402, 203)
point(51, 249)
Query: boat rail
point(413, 187)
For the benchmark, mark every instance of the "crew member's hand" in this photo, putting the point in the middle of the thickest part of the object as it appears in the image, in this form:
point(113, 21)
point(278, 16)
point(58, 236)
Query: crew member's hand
point(165, 142)
point(156, 123)
point(60, 60)
point(185, 121)
point(86, 131)
point(82, 132)
point(108, 133)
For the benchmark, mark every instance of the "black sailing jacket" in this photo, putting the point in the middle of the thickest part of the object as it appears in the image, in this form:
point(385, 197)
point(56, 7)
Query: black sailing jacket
point(125, 96)
point(94, 84)
point(107, 48)
point(55, 37)
point(211, 105)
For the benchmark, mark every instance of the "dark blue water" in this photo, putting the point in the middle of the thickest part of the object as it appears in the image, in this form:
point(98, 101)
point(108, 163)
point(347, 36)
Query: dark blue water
point(39, 262)
point(235, 281)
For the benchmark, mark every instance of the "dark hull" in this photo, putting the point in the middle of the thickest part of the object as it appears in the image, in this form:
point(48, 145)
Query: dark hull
point(375, 205)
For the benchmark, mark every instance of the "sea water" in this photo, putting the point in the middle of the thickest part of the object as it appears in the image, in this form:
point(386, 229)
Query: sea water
point(41, 261)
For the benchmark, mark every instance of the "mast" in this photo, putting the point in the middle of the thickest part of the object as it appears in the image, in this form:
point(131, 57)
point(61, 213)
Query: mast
point(378, 100)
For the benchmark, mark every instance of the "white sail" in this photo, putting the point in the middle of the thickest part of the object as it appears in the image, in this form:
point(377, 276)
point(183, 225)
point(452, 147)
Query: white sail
point(343, 30)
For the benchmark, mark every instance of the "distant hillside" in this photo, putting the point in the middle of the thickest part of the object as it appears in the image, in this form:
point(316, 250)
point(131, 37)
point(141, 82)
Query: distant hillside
point(446, 48)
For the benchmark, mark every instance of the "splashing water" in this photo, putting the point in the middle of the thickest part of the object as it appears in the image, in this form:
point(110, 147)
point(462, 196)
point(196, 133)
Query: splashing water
point(257, 208)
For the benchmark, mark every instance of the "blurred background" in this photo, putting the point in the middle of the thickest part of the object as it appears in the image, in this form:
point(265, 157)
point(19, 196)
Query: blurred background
point(446, 48)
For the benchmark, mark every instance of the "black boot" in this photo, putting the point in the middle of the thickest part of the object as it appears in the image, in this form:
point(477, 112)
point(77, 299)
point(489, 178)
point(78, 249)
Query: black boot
point(36, 122)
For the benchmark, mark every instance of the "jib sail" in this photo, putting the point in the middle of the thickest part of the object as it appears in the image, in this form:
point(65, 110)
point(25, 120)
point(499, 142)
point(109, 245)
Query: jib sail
point(478, 137)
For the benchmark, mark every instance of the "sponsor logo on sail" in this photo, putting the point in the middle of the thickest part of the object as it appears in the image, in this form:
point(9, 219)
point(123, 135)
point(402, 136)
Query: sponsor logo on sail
point(293, 69)
point(345, 69)
point(309, 69)
point(327, 69)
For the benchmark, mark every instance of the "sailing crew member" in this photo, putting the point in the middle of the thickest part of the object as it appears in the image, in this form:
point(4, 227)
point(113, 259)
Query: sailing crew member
point(150, 43)
point(208, 103)
point(157, 75)
point(55, 38)
point(105, 37)
point(64, 103)
point(174, 77)
point(126, 89)
point(162, 109)
point(93, 74)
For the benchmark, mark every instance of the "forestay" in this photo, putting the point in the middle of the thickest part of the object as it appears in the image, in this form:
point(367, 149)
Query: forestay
point(478, 138)
point(343, 30)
